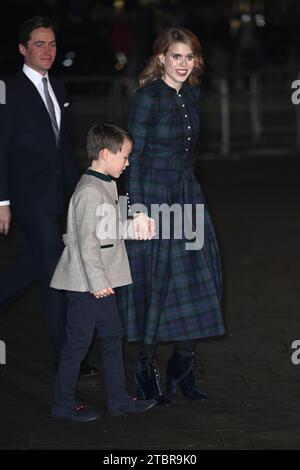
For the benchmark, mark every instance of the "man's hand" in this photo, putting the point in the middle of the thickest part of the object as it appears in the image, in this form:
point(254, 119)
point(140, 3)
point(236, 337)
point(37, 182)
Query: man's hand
point(103, 292)
point(5, 218)
point(144, 227)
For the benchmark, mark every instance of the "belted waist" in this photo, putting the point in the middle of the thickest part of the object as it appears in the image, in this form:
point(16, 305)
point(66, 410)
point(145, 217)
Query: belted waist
point(69, 238)
point(169, 163)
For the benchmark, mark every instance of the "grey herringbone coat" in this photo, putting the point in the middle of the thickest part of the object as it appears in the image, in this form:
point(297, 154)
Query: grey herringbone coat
point(89, 263)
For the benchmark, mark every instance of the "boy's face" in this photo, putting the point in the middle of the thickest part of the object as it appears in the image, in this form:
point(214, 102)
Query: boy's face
point(117, 162)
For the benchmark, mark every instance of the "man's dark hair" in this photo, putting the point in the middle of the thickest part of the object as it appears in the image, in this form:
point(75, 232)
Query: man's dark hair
point(105, 136)
point(30, 25)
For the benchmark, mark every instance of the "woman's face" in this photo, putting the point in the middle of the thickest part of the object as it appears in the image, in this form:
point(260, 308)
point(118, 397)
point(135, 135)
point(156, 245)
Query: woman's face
point(178, 64)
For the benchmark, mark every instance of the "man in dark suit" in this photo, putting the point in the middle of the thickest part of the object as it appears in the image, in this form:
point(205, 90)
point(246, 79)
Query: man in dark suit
point(37, 174)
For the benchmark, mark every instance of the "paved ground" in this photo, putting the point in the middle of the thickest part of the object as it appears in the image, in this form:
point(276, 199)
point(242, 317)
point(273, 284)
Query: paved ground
point(253, 386)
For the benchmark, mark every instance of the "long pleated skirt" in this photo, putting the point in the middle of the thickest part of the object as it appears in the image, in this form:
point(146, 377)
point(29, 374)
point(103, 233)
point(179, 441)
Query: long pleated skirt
point(176, 292)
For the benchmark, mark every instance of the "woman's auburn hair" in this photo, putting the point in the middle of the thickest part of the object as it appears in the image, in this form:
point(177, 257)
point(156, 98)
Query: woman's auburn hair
point(155, 68)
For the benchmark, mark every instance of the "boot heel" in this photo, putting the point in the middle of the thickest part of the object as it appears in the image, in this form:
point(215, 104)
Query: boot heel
point(171, 380)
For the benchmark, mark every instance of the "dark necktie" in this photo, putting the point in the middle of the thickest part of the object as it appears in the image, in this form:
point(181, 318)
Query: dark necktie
point(51, 110)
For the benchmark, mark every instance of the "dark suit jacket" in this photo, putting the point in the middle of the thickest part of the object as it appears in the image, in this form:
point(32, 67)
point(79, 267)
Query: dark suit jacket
point(34, 173)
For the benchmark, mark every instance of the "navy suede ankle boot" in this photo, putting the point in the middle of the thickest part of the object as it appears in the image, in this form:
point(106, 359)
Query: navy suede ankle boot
point(180, 371)
point(147, 381)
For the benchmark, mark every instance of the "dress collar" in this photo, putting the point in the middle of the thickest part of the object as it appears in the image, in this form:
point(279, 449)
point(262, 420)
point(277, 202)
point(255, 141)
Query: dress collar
point(168, 89)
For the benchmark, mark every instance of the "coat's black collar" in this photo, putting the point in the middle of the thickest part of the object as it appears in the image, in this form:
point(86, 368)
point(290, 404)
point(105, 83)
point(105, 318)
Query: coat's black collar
point(99, 175)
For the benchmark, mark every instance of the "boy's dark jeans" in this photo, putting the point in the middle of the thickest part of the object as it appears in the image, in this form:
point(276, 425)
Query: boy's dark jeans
point(84, 314)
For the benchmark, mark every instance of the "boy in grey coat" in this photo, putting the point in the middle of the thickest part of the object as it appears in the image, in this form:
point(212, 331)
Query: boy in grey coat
point(93, 263)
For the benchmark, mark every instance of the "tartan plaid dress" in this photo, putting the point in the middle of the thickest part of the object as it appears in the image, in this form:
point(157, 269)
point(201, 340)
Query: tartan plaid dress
point(176, 292)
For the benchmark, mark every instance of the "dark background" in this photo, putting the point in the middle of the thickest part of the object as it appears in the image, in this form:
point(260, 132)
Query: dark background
point(251, 51)
point(238, 35)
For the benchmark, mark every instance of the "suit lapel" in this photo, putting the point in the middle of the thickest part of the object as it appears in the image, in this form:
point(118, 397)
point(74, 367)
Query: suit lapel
point(35, 97)
point(38, 103)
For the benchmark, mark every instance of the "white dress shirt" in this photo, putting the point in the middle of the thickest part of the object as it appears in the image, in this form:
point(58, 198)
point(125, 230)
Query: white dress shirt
point(36, 78)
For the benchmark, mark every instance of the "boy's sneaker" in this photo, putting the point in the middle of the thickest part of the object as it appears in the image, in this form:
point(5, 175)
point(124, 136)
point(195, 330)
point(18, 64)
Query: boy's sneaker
point(80, 414)
point(131, 406)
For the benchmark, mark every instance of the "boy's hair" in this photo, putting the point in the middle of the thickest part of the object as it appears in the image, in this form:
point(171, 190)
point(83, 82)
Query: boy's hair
point(106, 136)
point(30, 25)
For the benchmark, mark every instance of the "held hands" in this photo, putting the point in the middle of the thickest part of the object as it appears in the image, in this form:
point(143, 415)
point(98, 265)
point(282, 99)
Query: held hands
point(144, 227)
point(103, 293)
point(5, 217)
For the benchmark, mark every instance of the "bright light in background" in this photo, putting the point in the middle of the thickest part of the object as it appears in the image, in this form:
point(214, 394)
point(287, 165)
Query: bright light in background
point(246, 18)
point(121, 60)
point(119, 4)
point(260, 20)
point(68, 60)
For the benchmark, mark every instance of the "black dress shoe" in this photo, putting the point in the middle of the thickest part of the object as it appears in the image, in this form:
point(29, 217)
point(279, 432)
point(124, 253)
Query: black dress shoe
point(80, 414)
point(86, 370)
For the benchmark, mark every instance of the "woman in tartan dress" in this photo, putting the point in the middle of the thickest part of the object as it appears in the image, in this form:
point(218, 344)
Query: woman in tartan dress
point(175, 295)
